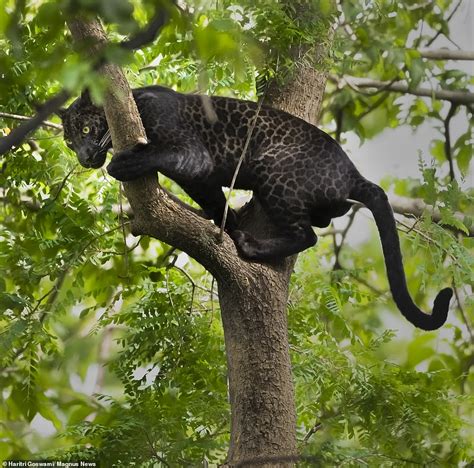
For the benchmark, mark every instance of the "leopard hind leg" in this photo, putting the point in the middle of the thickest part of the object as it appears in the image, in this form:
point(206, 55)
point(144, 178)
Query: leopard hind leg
point(292, 234)
point(321, 216)
point(293, 239)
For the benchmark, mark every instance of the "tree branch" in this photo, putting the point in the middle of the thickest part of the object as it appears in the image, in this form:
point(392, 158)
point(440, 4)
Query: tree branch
point(46, 123)
point(148, 34)
point(357, 83)
point(447, 54)
point(158, 216)
point(154, 213)
point(416, 207)
point(338, 246)
point(52, 105)
point(447, 140)
point(463, 313)
point(18, 134)
point(448, 19)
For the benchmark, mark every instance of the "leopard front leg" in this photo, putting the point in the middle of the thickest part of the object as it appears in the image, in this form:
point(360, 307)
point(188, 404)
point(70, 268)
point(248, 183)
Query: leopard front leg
point(133, 163)
point(178, 161)
point(212, 200)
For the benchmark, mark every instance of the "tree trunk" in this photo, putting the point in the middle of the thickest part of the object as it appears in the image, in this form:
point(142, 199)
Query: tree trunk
point(253, 297)
point(254, 315)
point(263, 420)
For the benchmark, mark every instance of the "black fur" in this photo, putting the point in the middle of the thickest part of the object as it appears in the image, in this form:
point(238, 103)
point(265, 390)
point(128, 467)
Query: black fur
point(299, 174)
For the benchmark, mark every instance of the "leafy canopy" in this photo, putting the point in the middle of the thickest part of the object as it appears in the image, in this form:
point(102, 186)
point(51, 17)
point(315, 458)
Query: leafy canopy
point(111, 346)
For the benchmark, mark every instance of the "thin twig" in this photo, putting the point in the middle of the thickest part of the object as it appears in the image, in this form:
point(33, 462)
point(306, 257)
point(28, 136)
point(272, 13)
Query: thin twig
point(312, 431)
point(447, 54)
point(18, 134)
point(239, 164)
point(447, 21)
point(168, 290)
point(447, 140)
point(236, 172)
point(385, 87)
point(61, 186)
point(339, 120)
point(193, 284)
point(212, 300)
point(41, 299)
point(329, 232)
point(463, 313)
point(167, 254)
point(115, 252)
point(153, 449)
point(374, 105)
point(367, 284)
point(338, 247)
point(429, 239)
point(196, 285)
point(53, 292)
point(417, 207)
point(148, 34)
point(358, 83)
point(45, 123)
point(124, 234)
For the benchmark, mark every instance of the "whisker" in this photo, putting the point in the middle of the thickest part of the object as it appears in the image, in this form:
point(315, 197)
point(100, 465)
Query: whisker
point(105, 140)
point(105, 137)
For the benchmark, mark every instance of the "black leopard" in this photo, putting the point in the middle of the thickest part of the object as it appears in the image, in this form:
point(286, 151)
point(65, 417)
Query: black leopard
point(298, 173)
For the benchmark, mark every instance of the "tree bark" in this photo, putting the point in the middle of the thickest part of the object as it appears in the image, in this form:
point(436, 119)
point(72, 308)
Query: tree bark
point(255, 320)
point(127, 130)
point(253, 297)
point(446, 54)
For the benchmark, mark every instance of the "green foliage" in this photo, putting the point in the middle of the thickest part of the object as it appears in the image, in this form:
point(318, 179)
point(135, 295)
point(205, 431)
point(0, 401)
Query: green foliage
point(364, 403)
point(382, 43)
point(111, 347)
point(173, 374)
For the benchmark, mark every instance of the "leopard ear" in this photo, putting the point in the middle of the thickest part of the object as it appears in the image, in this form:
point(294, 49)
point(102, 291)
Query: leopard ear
point(86, 97)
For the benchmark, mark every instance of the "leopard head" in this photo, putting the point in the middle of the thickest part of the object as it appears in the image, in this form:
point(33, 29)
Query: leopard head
point(86, 131)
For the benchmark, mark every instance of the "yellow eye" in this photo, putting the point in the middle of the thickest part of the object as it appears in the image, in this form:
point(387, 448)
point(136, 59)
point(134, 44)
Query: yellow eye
point(68, 142)
point(86, 130)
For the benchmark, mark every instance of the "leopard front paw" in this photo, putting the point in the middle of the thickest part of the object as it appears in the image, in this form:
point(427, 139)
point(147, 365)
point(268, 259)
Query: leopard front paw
point(131, 164)
point(121, 171)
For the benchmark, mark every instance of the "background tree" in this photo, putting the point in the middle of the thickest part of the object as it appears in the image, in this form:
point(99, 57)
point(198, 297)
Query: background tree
point(75, 294)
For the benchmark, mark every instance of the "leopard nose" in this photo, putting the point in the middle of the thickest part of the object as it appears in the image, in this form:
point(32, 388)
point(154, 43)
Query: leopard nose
point(86, 156)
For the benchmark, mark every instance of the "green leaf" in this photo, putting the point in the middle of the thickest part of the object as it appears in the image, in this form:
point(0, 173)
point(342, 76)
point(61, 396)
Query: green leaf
point(374, 122)
point(437, 150)
point(463, 158)
point(416, 71)
point(25, 400)
point(49, 14)
point(79, 414)
point(419, 351)
point(449, 218)
point(73, 75)
point(45, 409)
point(11, 301)
point(395, 56)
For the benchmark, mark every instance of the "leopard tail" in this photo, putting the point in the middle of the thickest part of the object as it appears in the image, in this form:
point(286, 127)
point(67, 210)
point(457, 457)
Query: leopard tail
point(375, 199)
